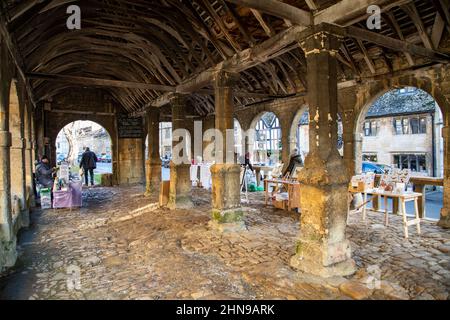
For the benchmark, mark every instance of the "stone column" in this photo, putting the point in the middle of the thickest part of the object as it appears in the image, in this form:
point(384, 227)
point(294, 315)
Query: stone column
point(153, 163)
point(180, 196)
point(444, 221)
point(8, 252)
point(226, 196)
point(285, 141)
point(17, 154)
point(322, 248)
point(29, 159)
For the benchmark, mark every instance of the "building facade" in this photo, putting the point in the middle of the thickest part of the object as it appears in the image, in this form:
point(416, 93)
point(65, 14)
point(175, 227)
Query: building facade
point(403, 129)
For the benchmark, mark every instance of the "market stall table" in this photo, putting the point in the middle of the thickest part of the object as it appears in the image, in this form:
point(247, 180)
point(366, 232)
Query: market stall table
point(72, 197)
point(292, 187)
point(402, 197)
point(258, 169)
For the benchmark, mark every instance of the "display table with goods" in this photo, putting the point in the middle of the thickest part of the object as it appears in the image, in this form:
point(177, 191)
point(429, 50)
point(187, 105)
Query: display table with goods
point(285, 192)
point(392, 185)
point(67, 191)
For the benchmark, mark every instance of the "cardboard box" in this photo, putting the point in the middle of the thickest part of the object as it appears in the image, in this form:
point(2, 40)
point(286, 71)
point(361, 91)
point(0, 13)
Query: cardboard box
point(280, 204)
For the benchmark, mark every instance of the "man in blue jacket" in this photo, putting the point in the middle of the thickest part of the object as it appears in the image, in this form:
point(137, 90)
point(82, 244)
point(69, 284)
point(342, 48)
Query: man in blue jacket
point(88, 163)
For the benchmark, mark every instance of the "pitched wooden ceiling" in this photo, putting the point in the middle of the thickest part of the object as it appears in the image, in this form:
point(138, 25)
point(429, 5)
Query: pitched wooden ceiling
point(141, 49)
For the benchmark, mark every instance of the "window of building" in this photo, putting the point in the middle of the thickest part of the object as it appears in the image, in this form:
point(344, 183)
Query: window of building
point(370, 157)
point(268, 136)
point(398, 126)
point(371, 128)
point(410, 125)
point(418, 125)
point(413, 162)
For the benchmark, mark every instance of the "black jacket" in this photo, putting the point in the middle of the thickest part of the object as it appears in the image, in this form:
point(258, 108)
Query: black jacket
point(88, 160)
point(295, 161)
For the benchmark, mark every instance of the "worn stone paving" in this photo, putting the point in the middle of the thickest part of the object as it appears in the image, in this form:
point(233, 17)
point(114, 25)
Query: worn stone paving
point(127, 248)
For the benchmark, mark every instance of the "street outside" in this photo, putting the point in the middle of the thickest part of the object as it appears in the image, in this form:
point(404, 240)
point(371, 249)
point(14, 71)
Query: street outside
point(103, 167)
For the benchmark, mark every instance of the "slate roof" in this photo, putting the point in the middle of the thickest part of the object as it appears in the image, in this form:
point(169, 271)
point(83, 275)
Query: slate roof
point(398, 102)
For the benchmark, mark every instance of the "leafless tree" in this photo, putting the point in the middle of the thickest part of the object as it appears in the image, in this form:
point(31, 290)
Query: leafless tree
point(70, 136)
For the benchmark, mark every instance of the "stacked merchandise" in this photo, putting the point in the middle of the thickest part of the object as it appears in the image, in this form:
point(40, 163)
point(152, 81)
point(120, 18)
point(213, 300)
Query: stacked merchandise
point(46, 198)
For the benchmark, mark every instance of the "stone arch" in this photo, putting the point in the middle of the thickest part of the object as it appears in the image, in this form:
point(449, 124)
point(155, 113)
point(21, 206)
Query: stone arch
point(294, 125)
point(110, 130)
point(239, 138)
point(368, 98)
point(28, 144)
point(252, 132)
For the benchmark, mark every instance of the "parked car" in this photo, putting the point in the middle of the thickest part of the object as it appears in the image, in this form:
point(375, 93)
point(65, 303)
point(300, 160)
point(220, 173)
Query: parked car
point(165, 162)
point(60, 158)
point(79, 157)
point(107, 158)
point(374, 167)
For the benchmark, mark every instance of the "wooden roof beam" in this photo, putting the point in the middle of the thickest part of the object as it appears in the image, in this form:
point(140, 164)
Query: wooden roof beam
point(99, 82)
point(395, 44)
point(278, 9)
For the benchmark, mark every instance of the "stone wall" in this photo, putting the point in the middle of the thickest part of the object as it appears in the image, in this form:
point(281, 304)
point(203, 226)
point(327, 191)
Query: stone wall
point(131, 161)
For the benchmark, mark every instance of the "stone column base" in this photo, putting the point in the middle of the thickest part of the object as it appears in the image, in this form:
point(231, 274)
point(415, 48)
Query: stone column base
point(25, 218)
point(8, 253)
point(444, 221)
point(180, 187)
point(324, 260)
point(237, 226)
point(228, 216)
point(153, 178)
point(180, 202)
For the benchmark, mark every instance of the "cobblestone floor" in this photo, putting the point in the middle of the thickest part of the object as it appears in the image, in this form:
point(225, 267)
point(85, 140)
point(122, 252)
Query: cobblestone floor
point(127, 248)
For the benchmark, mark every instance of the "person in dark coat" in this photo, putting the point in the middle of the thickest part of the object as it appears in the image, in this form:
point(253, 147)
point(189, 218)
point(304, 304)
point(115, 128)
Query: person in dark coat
point(294, 161)
point(44, 173)
point(88, 163)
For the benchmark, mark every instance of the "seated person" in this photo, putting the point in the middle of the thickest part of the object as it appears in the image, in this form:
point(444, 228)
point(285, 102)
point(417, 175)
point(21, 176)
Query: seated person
point(44, 173)
point(294, 161)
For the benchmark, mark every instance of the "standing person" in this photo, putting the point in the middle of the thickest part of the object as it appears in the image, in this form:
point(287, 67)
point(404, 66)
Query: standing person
point(88, 163)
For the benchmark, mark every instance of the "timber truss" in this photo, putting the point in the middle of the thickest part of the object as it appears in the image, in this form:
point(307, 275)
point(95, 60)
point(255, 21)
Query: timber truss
point(142, 51)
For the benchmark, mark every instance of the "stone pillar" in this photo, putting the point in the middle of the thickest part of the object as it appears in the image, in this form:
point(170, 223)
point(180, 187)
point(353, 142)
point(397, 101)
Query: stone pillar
point(18, 174)
point(180, 196)
point(444, 221)
point(226, 196)
point(153, 163)
point(29, 159)
point(285, 141)
point(8, 254)
point(323, 248)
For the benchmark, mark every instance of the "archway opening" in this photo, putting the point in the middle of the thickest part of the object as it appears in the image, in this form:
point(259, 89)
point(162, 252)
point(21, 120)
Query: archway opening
point(300, 133)
point(75, 137)
point(402, 128)
point(267, 144)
